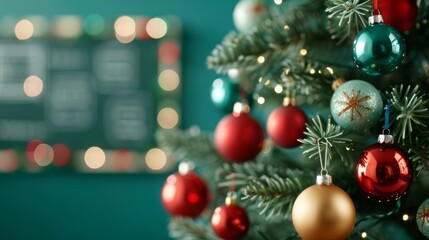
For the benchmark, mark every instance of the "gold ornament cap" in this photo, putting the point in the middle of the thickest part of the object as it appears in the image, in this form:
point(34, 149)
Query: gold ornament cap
point(324, 179)
point(231, 198)
point(240, 107)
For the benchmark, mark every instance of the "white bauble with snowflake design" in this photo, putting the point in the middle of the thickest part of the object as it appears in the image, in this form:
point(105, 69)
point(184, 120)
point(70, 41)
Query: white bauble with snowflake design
point(356, 105)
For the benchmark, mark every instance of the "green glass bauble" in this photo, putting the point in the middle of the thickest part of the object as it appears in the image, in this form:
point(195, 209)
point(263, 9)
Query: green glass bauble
point(378, 49)
point(356, 105)
point(224, 93)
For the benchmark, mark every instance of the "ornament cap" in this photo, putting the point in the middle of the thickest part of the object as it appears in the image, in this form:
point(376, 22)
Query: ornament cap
point(240, 107)
point(375, 19)
point(231, 198)
point(385, 138)
point(186, 167)
point(324, 179)
point(289, 101)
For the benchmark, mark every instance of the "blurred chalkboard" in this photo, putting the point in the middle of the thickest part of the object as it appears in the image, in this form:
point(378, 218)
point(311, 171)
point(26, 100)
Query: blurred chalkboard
point(87, 90)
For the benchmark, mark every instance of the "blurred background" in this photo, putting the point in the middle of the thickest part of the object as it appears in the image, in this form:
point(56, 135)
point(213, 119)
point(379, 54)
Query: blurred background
point(77, 80)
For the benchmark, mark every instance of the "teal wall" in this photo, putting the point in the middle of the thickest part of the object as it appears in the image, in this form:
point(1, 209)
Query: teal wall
point(83, 206)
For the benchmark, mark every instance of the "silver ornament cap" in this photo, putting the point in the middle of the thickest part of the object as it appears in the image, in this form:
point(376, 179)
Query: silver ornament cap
point(324, 179)
point(375, 19)
point(385, 138)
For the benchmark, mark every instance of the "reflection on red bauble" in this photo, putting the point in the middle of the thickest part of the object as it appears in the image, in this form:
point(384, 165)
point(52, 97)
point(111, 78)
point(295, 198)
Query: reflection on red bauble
point(384, 172)
point(238, 137)
point(230, 222)
point(285, 125)
point(185, 195)
point(400, 14)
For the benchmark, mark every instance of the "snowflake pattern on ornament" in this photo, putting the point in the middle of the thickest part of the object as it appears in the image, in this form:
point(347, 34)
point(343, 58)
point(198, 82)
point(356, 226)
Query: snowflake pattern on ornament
point(354, 104)
point(422, 218)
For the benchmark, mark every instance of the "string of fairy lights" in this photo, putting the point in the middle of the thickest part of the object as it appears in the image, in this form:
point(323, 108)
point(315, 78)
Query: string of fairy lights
point(39, 155)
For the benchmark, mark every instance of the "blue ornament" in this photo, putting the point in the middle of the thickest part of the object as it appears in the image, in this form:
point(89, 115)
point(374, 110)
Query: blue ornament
point(224, 94)
point(378, 49)
point(356, 105)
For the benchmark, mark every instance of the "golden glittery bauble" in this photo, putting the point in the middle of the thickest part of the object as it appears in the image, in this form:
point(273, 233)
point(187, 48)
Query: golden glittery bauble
point(323, 212)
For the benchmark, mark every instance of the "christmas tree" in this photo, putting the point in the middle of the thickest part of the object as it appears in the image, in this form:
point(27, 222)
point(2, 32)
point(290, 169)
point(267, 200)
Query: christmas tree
point(320, 93)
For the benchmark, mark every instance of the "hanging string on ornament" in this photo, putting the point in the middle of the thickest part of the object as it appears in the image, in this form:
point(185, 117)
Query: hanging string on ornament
point(384, 172)
point(379, 48)
point(323, 211)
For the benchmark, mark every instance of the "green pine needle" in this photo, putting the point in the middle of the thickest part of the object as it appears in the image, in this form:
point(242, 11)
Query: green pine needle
point(347, 17)
point(274, 195)
point(410, 114)
point(319, 134)
point(188, 145)
point(189, 229)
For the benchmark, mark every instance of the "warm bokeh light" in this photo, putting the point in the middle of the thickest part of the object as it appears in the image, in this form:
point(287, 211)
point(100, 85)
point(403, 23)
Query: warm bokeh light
point(33, 86)
point(364, 235)
point(156, 159)
point(405, 217)
point(168, 53)
point(126, 39)
point(95, 157)
point(168, 118)
point(278, 88)
point(261, 59)
point(31, 146)
point(278, 2)
point(61, 155)
point(94, 25)
point(303, 52)
point(125, 26)
point(43, 155)
point(122, 160)
point(261, 100)
point(168, 80)
point(9, 161)
point(68, 27)
point(156, 28)
point(24, 29)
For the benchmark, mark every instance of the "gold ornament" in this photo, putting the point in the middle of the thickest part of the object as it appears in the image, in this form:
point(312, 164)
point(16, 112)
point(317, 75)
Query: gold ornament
point(337, 83)
point(323, 212)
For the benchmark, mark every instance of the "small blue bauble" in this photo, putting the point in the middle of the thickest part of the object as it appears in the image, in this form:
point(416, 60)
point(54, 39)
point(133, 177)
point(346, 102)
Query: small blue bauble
point(378, 49)
point(224, 94)
point(356, 105)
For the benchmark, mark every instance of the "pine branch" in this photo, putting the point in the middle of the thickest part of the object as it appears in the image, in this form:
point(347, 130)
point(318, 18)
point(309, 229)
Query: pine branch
point(419, 153)
point(410, 115)
point(319, 133)
point(347, 17)
point(189, 229)
point(190, 145)
point(274, 196)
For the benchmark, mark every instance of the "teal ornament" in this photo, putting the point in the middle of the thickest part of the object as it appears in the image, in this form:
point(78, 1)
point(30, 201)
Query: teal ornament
point(224, 94)
point(378, 49)
point(248, 14)
point(422, 218)
point(356, 105)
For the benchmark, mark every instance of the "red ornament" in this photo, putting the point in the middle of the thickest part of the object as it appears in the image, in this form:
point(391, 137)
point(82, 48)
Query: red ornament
point(400, 14)
point(285, 125)
point(383, 171)
point(230, 222)
point(185, 195)
point(238, 137)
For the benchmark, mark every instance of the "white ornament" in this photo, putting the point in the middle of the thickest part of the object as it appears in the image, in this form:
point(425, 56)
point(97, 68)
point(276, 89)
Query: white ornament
point(248, 14)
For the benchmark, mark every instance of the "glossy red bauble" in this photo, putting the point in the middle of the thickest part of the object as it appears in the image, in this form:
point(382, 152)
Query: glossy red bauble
point(384, 172)
point(185, 195)
point(230, 222)
point(285, 125)
point(238, 137)
point(400, 14)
